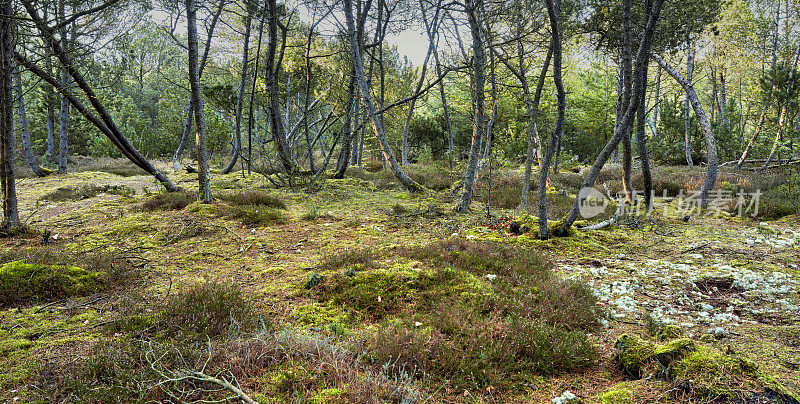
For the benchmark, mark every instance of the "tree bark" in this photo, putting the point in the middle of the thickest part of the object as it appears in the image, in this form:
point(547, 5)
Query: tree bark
point(626, 70)
point(377, 125)
point(240, 97)
point(478, 81)
point(187, 126)
point(534, 142)
point(641, 146)
point(687, 140)
point(33, 163)
point(276, 122)
point(7, 180)
point(642, 56)
point(554, 13)
point(204, 187)
point(108, 126)
point(431, 49)
point(63, 124)
point(711, 145)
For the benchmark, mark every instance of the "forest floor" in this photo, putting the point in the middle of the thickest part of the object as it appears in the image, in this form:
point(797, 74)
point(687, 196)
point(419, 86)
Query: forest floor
point(729, 284)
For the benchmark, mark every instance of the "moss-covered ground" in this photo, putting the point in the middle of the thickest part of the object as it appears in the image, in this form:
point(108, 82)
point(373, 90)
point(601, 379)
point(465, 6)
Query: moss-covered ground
point(339, 264)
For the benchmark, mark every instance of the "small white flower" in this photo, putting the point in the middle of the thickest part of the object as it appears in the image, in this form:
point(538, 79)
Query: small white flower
point(491, 277)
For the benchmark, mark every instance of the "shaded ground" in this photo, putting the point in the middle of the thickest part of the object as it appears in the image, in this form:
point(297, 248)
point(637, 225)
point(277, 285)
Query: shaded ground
point(729, 282)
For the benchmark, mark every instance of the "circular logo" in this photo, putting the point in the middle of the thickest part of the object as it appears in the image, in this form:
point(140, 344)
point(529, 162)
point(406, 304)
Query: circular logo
point(592, 202)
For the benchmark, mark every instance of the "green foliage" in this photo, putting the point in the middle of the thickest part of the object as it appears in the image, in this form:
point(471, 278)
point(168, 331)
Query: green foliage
point(213, 308)
point(85, 192)
point(23, 282)
point(253, 198)
point(253, 215)
point(169, 201)
point(469, 313)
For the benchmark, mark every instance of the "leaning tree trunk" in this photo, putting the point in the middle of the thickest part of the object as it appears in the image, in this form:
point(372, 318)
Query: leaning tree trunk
point(7, 181)
point(553, 12)
point(204, 188)
point(478, 81)
point(240, 98)
point(369, 106)
point(639, 84)
point(105, 123)
point(431, 49)
point(687, 140)
point(711, 145)
point(33, 163)
point(534, 143)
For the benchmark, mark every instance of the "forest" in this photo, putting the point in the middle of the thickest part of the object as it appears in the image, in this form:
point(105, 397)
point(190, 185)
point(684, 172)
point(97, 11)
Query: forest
point(410, 201)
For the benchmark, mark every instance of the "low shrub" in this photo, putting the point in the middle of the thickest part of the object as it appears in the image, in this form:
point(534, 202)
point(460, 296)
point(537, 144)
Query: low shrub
point(213, 308)
point(85, 192)
point(169, 201)
point(253, 198)
point(41, 274)
point(361, 257)
point(253, 215)
point(469, 314)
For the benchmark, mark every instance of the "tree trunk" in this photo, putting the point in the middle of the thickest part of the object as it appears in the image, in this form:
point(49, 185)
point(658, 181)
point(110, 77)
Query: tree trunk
point(711, 145)
point(767, 96)
point(653, 118)
point(478, 79)
point(33, 163)
point(105, 123)
point(534, 143)
point(687, 140)
point(553, 12)
point(7, 180)
point(187, 126)
point(240, 96)
point(276, 123)
point(639, 84)
point(63, 123)
point(723, 101)
point(49, 101)
point(626, 73)
point(204, 187)
point(641, 145)
point(377, 125)
point(250, 115)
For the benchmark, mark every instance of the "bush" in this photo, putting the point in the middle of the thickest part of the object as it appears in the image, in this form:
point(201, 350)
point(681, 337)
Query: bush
point(253, 215)
point(469, 314)
point(86, 192)
point(362, 257)
point(169, 201)
point(212, 308)
point(253, 198)
point(39, 274)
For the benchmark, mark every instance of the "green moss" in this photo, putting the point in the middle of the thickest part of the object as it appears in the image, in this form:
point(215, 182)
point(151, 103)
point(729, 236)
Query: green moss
point(20, 281)
point(632, 353)
point(326, 396)
point(717, 375)
point(675, 349)
point(620, 393)
point(316, 314)
point(203, 209)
